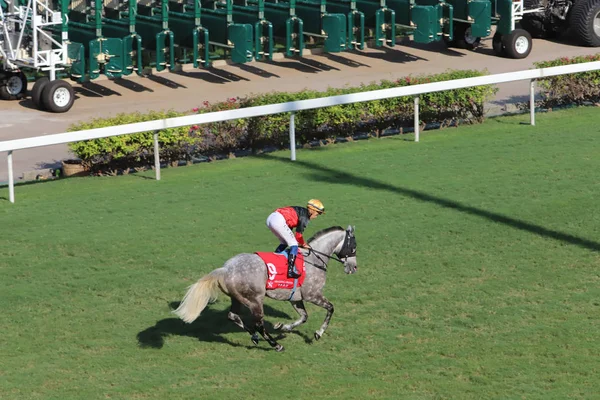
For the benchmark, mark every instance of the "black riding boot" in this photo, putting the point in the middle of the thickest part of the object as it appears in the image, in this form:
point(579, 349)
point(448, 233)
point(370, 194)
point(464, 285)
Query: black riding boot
point(291, 272)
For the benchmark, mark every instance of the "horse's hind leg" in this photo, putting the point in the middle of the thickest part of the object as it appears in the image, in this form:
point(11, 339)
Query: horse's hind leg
point(299, 307)
point(234, 316)
point(256, 308)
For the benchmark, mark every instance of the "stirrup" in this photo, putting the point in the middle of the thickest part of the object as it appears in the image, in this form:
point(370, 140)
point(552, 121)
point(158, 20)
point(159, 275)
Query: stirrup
point(293, 274)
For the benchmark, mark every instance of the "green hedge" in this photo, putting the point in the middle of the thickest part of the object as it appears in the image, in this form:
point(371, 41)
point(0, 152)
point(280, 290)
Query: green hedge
point(577, 89)
point(374, 116)
point(114, 154)
point(120, 153)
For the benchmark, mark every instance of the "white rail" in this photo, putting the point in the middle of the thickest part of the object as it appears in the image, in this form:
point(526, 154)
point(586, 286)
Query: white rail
point(291, 107)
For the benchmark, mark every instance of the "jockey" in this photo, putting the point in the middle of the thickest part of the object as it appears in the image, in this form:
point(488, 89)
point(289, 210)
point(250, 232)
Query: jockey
point(281, 222)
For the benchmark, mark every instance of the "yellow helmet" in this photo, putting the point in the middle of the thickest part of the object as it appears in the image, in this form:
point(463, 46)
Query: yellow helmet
point(316, 205)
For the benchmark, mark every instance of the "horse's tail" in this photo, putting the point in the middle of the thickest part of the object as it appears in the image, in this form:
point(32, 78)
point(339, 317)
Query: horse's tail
point(199, 295)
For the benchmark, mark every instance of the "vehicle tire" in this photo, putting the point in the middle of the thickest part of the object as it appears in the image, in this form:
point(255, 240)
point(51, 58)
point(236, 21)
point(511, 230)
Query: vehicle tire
point(58, 96)
point(498, 45)
point(36, 92)
point(517, 44)
point(534, 24)
point(463, 38)
point(15, 86)
point(585, 22)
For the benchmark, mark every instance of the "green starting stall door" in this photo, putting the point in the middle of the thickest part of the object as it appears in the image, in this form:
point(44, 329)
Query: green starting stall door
point(294, 38)
point(481, 12)
point(106, 55)
point(201, 54)
point(385, 27)
point(379, 19)
point(334, 26)
point(165, 50)
point(356, 29)
point(448, 20)
point(504, 11)
point(426, 22)
point(241, 37)
point(263, 37)
point(76, 54)
point(132, 54)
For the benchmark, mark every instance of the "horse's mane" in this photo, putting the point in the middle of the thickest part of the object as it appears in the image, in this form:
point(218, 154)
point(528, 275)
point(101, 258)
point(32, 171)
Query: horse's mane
point(324, 232)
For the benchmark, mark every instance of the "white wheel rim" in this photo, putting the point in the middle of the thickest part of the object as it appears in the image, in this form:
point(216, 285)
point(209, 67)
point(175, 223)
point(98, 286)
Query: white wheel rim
point(521, 45)
point(470, 39)
point(61, 97)
point(597, 24)
point(14, 85)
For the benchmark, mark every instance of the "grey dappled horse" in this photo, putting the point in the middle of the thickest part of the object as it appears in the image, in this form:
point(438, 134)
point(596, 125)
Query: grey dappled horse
point(244, 279)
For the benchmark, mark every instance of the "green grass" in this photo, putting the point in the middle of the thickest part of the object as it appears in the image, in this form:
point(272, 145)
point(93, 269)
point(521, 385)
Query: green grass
point(478, 253)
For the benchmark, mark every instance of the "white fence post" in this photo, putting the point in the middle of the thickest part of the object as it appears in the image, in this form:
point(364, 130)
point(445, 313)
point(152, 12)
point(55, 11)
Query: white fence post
point(11, 178)
point(293, 136)
point(416, 118)
point(156, 157)
point(532, 101)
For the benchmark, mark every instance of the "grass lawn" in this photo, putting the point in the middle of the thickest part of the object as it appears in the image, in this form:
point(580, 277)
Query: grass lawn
point(479, 273)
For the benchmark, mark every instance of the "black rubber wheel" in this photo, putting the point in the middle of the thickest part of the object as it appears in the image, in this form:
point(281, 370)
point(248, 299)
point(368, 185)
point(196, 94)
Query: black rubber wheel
point(517, 44)
point(14, 87)
point(498, 45)
point(58, 96)
point(463, 38)
point(537, 24)
point(534, 24)
point(36, 92)
point(585, 22)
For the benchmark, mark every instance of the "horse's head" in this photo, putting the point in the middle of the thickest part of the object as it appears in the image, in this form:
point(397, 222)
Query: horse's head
point(335, 240)
point(347, 251)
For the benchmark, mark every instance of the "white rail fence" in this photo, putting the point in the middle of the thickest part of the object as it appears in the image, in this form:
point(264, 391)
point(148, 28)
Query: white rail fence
point(530, 75)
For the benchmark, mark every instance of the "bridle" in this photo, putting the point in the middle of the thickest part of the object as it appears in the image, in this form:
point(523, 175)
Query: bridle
point(348, 250)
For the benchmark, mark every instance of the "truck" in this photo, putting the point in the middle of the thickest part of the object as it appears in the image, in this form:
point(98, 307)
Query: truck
point(578, 18)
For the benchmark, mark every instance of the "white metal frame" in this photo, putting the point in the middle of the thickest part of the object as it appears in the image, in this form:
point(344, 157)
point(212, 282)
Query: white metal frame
point(34, 17)
point(518, 10)
point(292, 107)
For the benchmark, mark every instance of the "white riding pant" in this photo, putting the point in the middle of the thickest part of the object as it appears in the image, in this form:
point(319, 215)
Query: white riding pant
point(276, 223)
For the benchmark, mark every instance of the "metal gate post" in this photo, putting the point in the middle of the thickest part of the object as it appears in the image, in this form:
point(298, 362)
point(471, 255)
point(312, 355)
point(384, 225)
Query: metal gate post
point(11, 179)
point(416, 118)
point(532, 102)
point(156, 157)
point(292, 136)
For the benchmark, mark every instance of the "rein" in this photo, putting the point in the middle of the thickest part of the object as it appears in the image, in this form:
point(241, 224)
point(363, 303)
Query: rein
point(348, 250)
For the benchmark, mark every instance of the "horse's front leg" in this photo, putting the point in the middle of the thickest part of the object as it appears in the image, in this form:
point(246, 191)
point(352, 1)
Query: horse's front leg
point(321, 301)
point(299, 307)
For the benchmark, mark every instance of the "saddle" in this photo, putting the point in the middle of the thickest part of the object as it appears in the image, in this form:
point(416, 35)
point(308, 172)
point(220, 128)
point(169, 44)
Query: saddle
point(277, 264)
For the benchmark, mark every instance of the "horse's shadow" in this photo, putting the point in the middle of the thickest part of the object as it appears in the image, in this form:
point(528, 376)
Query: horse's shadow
point(209, 327)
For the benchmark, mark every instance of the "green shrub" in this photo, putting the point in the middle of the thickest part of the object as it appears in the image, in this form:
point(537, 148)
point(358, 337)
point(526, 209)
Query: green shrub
point(130, 151)
point(374, 116)
point(569, 89)
point(220, 137)
point(119, 153)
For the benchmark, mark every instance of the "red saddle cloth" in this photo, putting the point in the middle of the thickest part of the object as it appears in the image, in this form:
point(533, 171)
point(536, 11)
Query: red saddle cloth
point(277, 270)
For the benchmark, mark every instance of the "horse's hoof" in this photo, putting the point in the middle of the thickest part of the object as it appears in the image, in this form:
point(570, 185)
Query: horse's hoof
point(279, 348)
point(317, 336)
point(254, 339)
point(278, 326)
